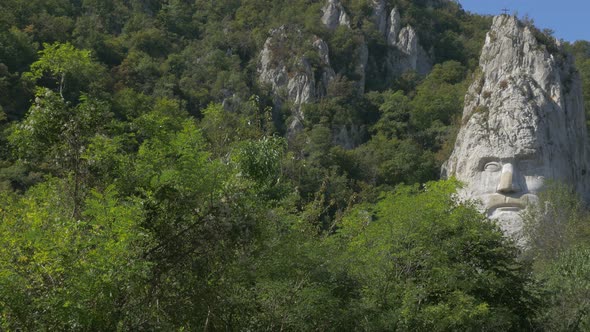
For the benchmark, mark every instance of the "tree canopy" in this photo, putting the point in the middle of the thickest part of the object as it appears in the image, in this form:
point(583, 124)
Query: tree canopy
point(148, 182)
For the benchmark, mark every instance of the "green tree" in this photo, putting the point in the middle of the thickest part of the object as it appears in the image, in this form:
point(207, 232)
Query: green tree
point(557, 222)
point(394, 115)
point(426, 262)
point(222, 128)
point(567, 281)
point(64, 273)
point(394, 161)
point(558, 240)
point(440, 96)
point(63, 63)
point(260, 160)
point(55, 134)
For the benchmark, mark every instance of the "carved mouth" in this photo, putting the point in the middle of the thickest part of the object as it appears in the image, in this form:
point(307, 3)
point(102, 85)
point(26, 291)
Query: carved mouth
point(507, 203)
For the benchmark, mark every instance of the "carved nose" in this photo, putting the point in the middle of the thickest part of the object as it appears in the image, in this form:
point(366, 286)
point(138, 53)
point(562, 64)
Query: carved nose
point(507, 184)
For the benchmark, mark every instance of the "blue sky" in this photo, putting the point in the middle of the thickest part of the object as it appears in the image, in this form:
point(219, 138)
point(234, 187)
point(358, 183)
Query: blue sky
point(570, 19)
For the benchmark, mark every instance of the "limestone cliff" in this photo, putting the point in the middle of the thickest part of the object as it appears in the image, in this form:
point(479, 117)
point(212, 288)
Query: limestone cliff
point(334, 15)
point(292, 76)
point(406, 54)
point(523, 122)
point(295, 78)
point(393, 27)
point(380, 15)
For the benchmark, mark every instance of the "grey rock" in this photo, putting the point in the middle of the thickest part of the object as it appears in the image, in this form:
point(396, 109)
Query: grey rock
point(416, 58)
point(394, 27)
point(327, 73)
point(290, 75)
point(523, 123)
point(380, 15)
point(334, 15)
point(408, 43)
point(406, 53)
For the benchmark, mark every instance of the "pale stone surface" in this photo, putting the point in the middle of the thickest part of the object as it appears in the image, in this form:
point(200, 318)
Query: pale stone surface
point(334, 15)
point(327, 73)
point(394, 27)
point(523, 123)
point(415, 57)
point(408, 41)
point(406, 54)
point(290, 75)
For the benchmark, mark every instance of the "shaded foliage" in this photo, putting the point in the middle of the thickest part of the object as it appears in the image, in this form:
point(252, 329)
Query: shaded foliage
point(145, 184)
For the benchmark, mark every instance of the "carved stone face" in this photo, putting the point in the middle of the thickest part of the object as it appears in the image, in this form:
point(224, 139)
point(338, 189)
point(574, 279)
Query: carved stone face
point(505, 183)
point(523, 122)
point(506, 175)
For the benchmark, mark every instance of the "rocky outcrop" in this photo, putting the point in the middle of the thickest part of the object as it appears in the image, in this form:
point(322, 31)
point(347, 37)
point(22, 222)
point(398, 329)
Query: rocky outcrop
point(393, 27)
point(416, 57)
point(380, 15)
point(407, 54)
point(407, 42)
point(523, 123)
point(334, 15)
point(291, 75)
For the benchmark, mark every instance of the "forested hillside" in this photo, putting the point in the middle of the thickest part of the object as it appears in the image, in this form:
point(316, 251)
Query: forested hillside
point(151, 180)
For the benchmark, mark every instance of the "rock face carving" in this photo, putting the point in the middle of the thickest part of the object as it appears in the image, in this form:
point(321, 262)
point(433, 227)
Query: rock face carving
point(290, 75)
point(334, 15)
point(523, 123)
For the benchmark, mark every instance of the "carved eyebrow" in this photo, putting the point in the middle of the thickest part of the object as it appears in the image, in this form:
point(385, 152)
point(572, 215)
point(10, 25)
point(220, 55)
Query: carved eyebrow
point(485, 160)
point(492, 166)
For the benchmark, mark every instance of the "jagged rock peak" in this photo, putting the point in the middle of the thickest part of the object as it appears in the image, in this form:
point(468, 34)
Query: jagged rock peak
point(334, 15)
point(394, 27)
point(523, 122)
point(327, 73)
point(290, 74)
point(413, 56)
point(500, 57)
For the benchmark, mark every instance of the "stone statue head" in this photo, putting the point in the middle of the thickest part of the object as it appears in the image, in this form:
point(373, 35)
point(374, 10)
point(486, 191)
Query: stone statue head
point(523, 123)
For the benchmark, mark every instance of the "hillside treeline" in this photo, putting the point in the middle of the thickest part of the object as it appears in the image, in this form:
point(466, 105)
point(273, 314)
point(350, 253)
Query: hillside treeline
point(132, 197)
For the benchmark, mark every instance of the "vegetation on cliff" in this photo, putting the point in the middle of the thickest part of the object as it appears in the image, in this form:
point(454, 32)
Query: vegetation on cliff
point(147, 182)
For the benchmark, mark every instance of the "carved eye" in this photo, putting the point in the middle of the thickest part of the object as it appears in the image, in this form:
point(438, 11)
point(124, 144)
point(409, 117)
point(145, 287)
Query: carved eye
point(492, 167)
